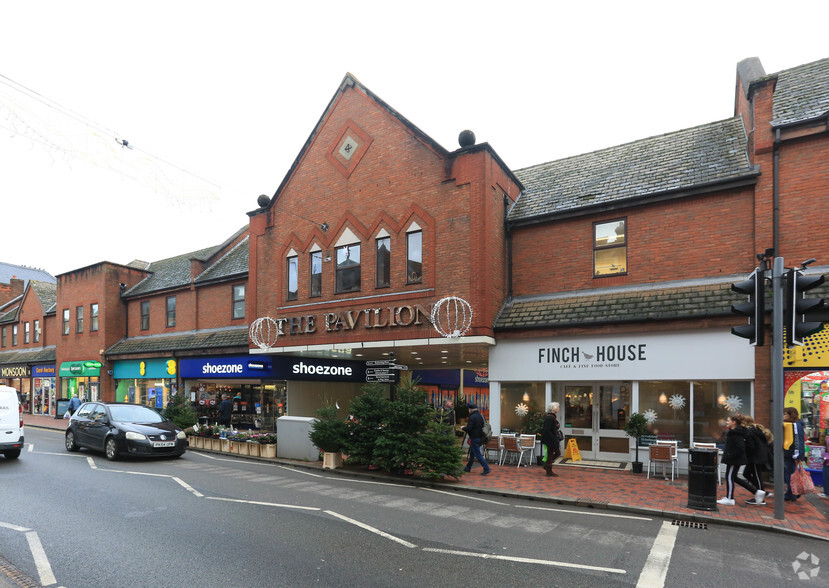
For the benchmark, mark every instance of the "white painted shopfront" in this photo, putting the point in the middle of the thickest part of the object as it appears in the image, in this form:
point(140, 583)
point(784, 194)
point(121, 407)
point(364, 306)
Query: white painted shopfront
point(685, 382)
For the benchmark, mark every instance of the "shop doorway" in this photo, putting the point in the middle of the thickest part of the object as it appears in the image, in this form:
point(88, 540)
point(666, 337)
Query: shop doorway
point(595, 416)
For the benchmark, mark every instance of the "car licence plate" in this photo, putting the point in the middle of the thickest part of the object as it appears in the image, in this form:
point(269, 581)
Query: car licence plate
point(164, 443)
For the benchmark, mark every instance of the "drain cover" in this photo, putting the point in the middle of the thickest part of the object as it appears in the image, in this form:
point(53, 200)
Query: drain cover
point(691, 524)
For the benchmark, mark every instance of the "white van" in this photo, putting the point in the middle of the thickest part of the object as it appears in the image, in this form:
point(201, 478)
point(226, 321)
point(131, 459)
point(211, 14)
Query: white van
point(11, 423)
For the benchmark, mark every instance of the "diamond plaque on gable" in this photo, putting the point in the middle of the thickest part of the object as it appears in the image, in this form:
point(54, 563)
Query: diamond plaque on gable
point(350, 147)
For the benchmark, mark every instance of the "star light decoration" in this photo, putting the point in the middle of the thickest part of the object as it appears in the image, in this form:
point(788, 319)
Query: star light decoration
point(650, 416)
point(733, 404)
point(522, 409)
point(677, 401)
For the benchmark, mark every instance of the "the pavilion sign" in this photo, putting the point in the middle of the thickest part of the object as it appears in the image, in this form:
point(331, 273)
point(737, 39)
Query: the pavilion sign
point(348, 320)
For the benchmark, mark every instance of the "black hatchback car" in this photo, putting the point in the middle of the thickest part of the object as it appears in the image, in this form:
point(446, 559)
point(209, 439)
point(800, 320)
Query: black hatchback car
point(124, 429)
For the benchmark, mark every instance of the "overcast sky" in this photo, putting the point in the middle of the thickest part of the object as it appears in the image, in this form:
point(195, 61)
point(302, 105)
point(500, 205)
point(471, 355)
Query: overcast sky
point(218, 98)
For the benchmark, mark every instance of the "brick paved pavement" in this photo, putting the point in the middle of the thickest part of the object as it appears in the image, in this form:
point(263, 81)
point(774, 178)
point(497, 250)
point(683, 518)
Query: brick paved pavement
point(601, 488)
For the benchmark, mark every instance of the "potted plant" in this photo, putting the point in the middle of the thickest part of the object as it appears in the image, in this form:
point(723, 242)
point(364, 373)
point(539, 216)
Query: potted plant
point(636, 426)
point(267, 444)
point(253, 445)
point(330, 434)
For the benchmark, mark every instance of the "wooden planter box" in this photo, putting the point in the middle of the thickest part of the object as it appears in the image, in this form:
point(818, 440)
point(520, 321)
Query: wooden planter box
point(241, 447)
point(226, 445)
point(215, 444)
point(191, 441)
point(332, 461)
point(253, 448)
point(267, 450)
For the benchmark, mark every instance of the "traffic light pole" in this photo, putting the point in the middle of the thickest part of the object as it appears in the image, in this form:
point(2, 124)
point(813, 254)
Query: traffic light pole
point(776, 414)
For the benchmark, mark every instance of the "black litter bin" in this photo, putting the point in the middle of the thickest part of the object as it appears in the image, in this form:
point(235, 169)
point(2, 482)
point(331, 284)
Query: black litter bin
point(702, 479)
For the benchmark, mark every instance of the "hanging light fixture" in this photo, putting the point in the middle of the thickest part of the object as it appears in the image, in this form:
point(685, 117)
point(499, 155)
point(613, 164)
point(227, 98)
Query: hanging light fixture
point(663, 398)
point(526, 397)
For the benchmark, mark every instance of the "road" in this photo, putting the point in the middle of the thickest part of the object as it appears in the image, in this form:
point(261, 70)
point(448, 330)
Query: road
point(78, 520)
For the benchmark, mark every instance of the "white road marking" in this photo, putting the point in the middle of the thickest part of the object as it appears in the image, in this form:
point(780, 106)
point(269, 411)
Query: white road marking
point(371, 529)
point(259, 503)
point(44, 570)
point(465, 497)
point(91, 463)
point(589, 513)
point(14, 527)
point(187, 487)
point(656, 567)
point(543, 562)
point(31, 447)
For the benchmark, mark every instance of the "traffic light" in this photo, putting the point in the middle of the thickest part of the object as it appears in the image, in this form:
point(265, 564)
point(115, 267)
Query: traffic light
point(797, 305)
point(754, 309)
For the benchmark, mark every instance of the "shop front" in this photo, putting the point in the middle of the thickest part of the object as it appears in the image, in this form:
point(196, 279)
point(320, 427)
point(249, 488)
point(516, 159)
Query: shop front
point(81, 378)
point(266, 388)
point(18, 377)
point(685, 383)
point(806, 383)
point(43, 389)
point(461, 386)
point(150, 381)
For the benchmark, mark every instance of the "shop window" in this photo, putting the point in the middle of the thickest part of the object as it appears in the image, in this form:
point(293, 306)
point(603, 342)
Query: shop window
point(93, 316)
point(316, 275)
point(293, 277)
point(3, 337)
point(65, 321)
point(26, 333)
point(238, 301)
point(79, 319)
point(348, 268)
point(171, 311)
point(37, 331)
point(414, 257)
point(714, 402)
point(515, 397)
point(14, 335)
point(382, 269)
point(667, 406)
point(610, 248)
point(145, 315)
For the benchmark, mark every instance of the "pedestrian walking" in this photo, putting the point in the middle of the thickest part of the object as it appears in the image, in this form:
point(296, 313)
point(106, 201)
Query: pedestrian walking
point(825, 460)
point(794, 447)
point(225, 411)
point(446, 414)
point(757, 455)
point(551, 437)
point(74, 404)
point(734, 456)
point(475, 429)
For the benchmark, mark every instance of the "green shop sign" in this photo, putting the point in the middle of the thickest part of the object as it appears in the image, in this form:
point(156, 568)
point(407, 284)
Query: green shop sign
point(76, 369)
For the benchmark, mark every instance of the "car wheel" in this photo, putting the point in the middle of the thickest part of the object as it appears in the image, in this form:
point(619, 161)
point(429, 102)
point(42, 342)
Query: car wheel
point(12, 453)
point(111, 448)
point(70, 442)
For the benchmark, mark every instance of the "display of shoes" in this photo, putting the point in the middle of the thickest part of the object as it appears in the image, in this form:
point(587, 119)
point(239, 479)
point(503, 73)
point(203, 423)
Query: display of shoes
point(726, 501)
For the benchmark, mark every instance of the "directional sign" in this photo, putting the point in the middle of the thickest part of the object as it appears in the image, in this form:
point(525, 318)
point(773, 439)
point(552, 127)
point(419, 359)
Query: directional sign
point(379, 372)
point(380, 362)
point(380, 379)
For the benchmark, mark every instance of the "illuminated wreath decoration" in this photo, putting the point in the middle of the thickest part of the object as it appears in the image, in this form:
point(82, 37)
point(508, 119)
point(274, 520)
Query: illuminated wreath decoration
point(650, 416)
point(452, 317)
point(522, 410)
point(264, 332)
point(677, 401)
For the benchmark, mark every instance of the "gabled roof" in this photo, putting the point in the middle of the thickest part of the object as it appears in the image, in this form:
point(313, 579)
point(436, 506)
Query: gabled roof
point(175, 272)
point(801, 93)
point(232, 264)
point(9, 271)
point(46, 293)
point(350, 81)
point(11, 312)
point(646, 170)
point(42, 355)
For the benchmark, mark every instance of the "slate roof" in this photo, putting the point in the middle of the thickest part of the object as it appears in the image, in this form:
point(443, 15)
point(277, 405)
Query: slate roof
point(9, 271)
point(47, 294)
point(200, 340)
point(234, 263)
point(44, 355)
point(641, 303)
point(801, 93)
point(173, 272)
point(684, 160)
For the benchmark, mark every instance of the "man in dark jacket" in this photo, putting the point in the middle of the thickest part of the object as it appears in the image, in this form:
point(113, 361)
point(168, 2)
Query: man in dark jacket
point(475, 429)
point(225, 411)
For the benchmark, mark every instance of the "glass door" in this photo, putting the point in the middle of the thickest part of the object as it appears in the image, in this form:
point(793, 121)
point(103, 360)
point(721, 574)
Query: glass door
point(578, 418)
point(595, 416)
point(613, 409)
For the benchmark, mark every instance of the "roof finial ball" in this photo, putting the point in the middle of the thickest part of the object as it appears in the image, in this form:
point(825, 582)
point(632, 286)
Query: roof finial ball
point(263, 201)
point(466, 138)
